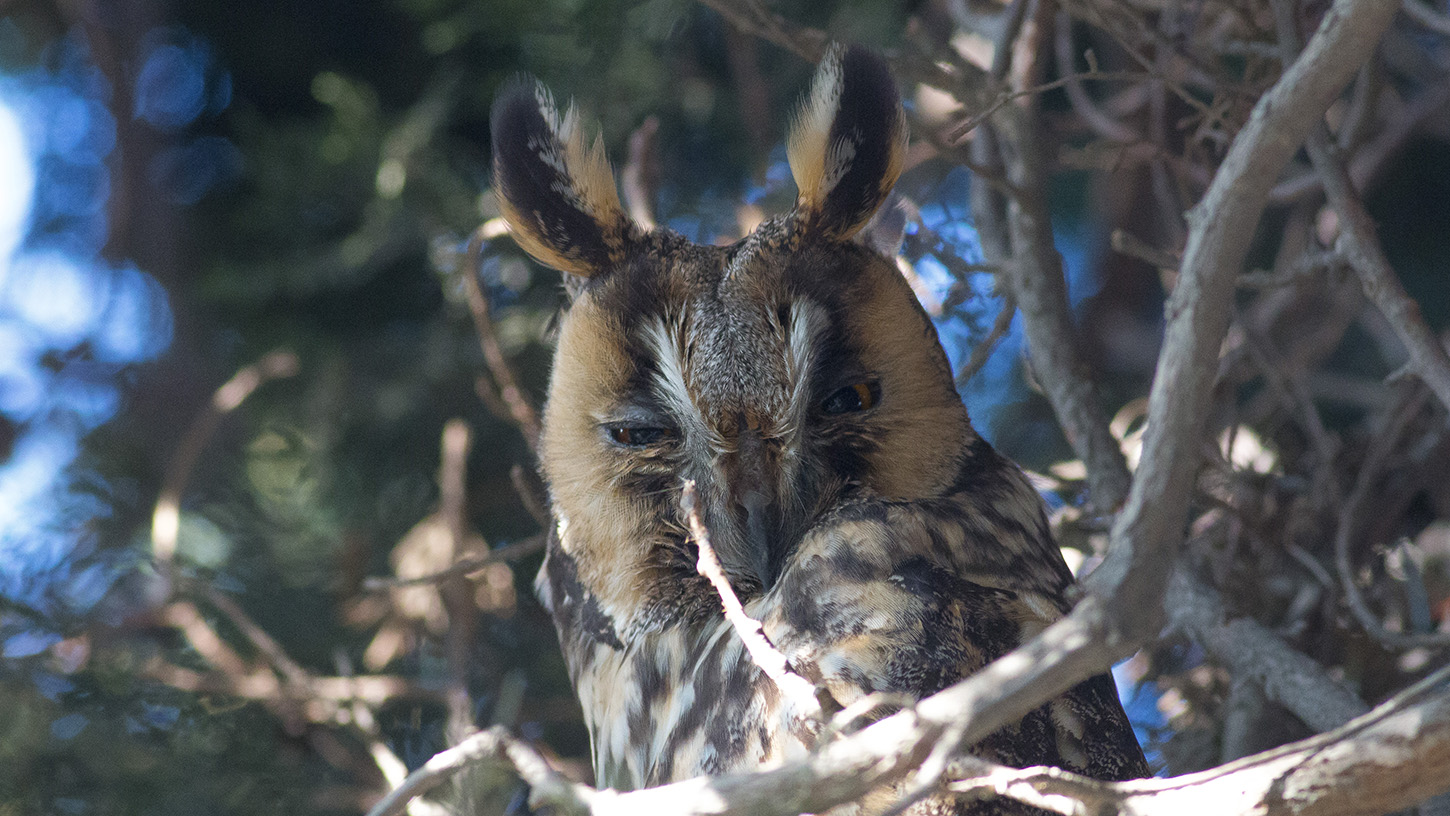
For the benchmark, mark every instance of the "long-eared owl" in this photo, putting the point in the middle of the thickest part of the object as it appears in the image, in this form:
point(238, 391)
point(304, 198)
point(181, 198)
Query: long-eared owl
point(794, 377)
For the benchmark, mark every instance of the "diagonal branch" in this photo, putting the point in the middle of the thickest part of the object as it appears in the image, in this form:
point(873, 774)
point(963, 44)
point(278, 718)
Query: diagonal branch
point(1148, 531)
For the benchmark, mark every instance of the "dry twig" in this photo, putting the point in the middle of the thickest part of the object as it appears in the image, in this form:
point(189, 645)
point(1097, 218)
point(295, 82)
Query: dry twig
point(166, 518)
point(762, 652)
point(1016, 234)
point(494, 744)
point(982, 351)
point(521, 410)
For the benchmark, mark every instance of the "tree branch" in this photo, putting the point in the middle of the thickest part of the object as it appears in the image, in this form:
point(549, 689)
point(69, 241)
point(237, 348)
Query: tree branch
point(1017, 236)
point(1251, 651)
point(1150, 527)
point(762, 652)
point(1395, 756)
point(521, 410)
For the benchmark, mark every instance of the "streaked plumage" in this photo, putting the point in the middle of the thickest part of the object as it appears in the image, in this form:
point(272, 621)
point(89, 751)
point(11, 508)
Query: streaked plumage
point(795, 378)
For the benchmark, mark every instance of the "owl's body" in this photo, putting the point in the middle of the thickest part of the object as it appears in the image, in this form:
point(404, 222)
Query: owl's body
point(796, 380)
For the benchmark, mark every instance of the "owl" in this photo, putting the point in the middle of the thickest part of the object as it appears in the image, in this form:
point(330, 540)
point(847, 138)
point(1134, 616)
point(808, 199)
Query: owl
point(796, 380)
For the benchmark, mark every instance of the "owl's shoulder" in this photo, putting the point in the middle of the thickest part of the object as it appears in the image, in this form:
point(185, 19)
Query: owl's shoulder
point(909, 597)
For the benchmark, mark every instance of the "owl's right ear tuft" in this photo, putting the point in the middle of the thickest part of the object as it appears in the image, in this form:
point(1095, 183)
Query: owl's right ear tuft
point(554, 186)
point(847, 144)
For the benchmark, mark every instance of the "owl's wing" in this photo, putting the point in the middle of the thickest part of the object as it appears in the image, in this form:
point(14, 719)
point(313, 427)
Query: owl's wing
point(884, 598)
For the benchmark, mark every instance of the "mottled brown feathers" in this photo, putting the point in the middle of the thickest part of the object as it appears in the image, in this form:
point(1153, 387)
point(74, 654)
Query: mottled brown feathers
point(794, 377)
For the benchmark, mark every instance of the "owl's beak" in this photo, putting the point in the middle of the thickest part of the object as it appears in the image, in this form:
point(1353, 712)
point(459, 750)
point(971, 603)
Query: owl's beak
point(752, 491)
point(762, 526)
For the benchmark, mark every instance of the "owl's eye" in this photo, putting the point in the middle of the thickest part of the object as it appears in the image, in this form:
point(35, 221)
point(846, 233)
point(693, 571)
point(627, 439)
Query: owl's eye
point(852, 398)
point(632, 436)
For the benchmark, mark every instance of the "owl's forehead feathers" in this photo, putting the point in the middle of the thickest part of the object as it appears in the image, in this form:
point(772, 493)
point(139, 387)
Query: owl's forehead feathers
point(718, 343)
point(721, 365)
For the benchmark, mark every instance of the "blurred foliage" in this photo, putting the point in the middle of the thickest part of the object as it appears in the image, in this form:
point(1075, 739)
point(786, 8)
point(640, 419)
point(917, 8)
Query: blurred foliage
point(346, 163)
point(359, 132)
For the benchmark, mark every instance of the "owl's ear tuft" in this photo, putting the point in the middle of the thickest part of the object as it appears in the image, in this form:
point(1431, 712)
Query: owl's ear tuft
point(554, 185)
point(847, 143)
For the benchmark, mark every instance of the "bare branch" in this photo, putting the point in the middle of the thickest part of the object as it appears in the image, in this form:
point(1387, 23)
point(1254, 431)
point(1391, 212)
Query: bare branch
point(640, 178)
point(1150, 527)
point(1427, 17)
point(1022, 244)
point(1395, 756)
point(269, 647)
point(1251, 651)
point(1065, 51)
point(982, 351)
point(1370, 473)
point(752, 17)
point(326, 696)
point(455, 592)
point(1392, 757)
point(1361, 249)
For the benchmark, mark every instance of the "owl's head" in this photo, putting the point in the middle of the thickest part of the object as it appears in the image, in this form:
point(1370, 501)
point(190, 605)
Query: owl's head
point(785, 374)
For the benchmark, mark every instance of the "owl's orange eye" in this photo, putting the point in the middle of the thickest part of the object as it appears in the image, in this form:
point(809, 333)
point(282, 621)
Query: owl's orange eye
point(635, 437)
point(852, 398)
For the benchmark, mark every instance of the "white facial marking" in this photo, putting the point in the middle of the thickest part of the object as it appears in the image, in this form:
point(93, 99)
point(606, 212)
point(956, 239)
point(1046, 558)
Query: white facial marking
point(807, 321)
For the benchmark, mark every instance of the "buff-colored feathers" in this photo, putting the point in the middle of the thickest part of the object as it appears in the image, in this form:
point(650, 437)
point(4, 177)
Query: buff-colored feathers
point(847, 143)
point(554, 184)
point(815, 161)
point(584, 162)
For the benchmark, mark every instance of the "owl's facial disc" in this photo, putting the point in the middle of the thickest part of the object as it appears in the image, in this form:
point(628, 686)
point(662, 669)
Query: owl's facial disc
point(735, 407)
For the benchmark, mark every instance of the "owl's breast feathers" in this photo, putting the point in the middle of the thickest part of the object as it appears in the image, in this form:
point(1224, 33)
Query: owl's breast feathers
point(880, 596)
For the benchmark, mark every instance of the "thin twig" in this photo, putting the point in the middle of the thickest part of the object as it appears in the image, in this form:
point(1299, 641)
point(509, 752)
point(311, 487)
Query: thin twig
point(640, 178)
point(166, 518)
point(1134, 247)
point(957, 133)
point(468, 567)
point(497, 745)
point(1308, 264)
point(752, 17)
point(325, 696)
point(524, 414)
point(762, 652)
point(455, 592)
point(1105, 125)
point(1362, 250)
point(265, 643)
point(1017, 235)
point(1426, 16)
point(531, 492)
point(1370, 474)
point(982, 351)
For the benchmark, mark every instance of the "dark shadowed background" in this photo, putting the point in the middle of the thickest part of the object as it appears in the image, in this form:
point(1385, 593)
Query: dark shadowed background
point(188, 187)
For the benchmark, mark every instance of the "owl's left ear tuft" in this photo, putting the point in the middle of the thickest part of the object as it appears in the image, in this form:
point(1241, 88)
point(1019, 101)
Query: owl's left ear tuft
point(554, 185)
point(847, 144)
